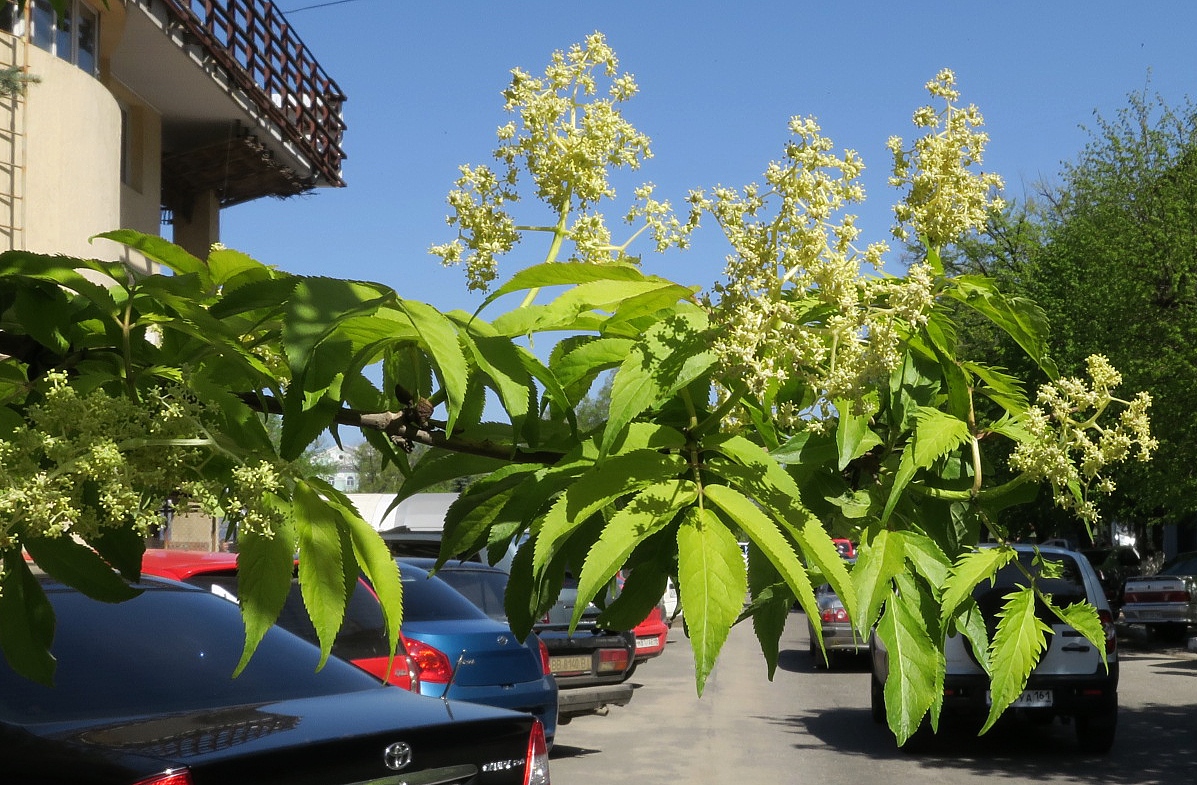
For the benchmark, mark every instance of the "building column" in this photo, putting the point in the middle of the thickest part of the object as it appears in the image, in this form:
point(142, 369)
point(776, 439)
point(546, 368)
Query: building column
point(197, 231)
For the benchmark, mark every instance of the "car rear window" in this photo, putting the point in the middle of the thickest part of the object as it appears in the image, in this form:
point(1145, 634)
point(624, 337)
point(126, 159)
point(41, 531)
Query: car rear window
point(428, 598)
point(167, 650)
point(1068, 587)
point(1185, 564)
point(484, 588)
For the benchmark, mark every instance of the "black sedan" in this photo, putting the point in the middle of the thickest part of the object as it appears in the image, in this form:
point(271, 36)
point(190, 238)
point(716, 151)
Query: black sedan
point(144, 695)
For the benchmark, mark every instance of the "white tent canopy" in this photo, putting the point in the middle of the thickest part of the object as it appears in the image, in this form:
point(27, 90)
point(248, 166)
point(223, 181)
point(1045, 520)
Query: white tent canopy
point(420, 512)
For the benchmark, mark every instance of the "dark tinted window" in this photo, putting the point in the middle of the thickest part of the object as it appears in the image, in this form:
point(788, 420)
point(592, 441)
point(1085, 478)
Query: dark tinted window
point(170, 649)
point(428, 598)
point(362, 634)
point(484, 588)
point(1069, 587)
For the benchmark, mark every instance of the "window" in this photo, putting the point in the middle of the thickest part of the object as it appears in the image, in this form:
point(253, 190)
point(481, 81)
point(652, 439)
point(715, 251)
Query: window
point(74, 37)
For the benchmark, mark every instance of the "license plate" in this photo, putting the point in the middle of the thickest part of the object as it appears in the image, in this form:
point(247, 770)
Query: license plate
point(564, 665)
point(646, 643)
point(1150, 614)
point(1030, 699)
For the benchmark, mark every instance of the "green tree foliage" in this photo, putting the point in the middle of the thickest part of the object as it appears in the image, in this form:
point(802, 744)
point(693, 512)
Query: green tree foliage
point(802, 395)
point(1110, 254)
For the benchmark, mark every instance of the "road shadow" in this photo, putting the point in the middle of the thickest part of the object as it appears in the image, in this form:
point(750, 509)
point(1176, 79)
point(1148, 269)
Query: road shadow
point(1153, 745)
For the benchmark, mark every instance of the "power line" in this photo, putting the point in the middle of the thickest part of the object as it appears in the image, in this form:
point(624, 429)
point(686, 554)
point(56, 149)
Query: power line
point(318, 5)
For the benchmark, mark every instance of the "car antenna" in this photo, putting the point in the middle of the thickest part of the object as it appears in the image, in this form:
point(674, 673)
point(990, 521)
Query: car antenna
point(452, 676)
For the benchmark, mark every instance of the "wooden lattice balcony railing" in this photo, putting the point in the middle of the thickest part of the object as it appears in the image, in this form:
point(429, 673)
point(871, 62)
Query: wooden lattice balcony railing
point(255, 45)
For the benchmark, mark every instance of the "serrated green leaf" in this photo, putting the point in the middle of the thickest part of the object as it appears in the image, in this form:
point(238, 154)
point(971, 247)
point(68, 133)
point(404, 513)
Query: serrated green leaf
point(936, 434)
point(264, 569)
point(438, 336)
point(807, 449)
point(766, 534)
point(563, 274)
point(616, 477)
point(968, 572)
point(877, 562)
point(711, 585)
point(322, 565)
point(591, 358)
point(1083, 618)
point(915, 669)
point(1017, 645)
point(162, 251)
point(672, 353)
point(1021, 319)
point(26, 621)
point(376, 561)
point(473, 512)
point(79, 566)
point(853, 436)
point(822, 554)
point(644, 515)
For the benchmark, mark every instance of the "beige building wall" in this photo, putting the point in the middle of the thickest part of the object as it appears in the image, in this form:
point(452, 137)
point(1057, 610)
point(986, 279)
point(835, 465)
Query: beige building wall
point(72, 172)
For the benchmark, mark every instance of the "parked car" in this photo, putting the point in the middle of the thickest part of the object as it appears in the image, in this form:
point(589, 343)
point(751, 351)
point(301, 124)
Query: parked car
point(1166, 601)
point(455, 649)
point(591, 665)
point(356, 642)
point(1069, 680)
point(839, 636)
point(1114, 564)
point(143, 693)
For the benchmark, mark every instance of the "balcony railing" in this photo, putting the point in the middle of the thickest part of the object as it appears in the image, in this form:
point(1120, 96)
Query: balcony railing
point(256, 47)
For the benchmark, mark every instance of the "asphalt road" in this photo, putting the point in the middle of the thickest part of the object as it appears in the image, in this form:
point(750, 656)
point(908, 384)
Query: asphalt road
point(814, 726)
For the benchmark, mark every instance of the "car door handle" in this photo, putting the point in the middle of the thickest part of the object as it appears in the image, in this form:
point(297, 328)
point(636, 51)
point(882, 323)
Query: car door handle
point(1076, 647)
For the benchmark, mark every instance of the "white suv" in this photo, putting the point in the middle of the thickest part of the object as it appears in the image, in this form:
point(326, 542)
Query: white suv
point(1070, 679)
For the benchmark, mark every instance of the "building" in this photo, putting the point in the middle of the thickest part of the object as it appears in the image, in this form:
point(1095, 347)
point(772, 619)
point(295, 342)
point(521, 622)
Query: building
point(340, 468)
point(154, 115)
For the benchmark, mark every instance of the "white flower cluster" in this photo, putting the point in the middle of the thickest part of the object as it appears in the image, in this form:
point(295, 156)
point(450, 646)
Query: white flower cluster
point(1070, 447)
point(566, 139)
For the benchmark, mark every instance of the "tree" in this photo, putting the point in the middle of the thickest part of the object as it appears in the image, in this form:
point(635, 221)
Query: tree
point(1111, 257)
point(799, 396)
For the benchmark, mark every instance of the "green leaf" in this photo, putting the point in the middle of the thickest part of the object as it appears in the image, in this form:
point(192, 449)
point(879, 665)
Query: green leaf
point(936, 434)
point(376, 561)
point(853, 436)
point(1016, 648)
point(26, 621)
point(808, 449)
point(79, 566)
point(968, 572)
point(915, 675)
point(644, 515)
point(564, 274)
point(162, 251)
point(765, 532)
point(591, 358)
point(264, 570)
point(618, 476)
point(438, 336)
point(1020, 318)
point(877, 563)
point(711, 585)
point(471, 514)
point(322, 565)
point(1083, 618)
point(672, 353)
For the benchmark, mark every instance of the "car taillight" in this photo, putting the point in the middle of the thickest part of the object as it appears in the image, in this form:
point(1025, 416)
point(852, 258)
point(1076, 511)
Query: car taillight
point(536, 766)
point(835, 615)
point(431, 664)
point(175, 777)
point(1107, 624)
point(613, 660)
point(545, 665)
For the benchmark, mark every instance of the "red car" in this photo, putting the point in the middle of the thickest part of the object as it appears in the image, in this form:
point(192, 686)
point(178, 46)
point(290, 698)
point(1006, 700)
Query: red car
point(221, 570)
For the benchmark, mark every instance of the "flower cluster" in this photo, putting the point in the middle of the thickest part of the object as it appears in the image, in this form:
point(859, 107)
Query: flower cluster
point(944, 198)
point(795, 304)
point(1070, 447)
point(88, 462)
point(248, 502)
point(567, 139)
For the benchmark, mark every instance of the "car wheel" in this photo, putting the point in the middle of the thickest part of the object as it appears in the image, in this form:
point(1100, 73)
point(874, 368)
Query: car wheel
point(1095, 732)
point(877, 699)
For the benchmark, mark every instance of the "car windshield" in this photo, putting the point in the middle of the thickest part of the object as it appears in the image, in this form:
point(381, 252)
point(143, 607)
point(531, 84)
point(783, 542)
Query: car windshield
point(1184, 564)
point(166, 650)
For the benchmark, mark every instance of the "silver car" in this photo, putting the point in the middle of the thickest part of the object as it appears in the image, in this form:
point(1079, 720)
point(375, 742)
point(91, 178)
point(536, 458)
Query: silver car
point(839, 638)
point(1069, 680)
point(1167, 601)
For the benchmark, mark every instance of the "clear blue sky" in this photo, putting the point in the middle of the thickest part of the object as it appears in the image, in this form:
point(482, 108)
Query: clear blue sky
point(718, 82)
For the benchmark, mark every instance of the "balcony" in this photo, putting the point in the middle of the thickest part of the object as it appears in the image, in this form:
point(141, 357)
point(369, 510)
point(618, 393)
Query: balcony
point(246, 109)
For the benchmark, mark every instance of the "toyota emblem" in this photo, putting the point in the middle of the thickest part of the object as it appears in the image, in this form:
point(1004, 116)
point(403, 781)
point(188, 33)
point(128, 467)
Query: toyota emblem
point(397, 756)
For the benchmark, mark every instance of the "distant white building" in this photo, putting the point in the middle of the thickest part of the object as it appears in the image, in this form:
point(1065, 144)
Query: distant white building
point(343, 464)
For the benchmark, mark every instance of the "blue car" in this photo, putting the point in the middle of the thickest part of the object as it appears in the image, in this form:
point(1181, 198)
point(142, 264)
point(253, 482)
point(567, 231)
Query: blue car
point(463, 654)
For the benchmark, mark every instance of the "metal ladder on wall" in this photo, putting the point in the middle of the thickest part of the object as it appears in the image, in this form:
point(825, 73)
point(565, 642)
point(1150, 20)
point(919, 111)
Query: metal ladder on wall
point(12, 149)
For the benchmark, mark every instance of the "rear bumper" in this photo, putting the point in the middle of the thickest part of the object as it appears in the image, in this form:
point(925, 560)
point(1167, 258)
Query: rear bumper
point(1159, 613)
point(1071, 695)
point(578, 701)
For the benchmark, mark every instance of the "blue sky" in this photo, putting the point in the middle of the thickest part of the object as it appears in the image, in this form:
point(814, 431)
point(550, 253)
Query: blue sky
point(718, 82)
